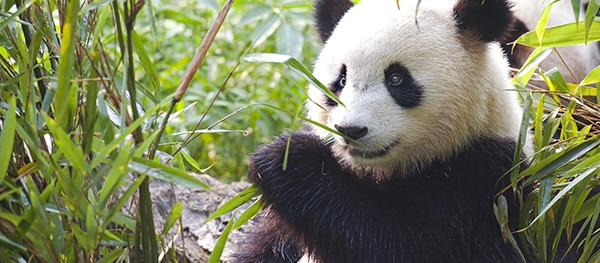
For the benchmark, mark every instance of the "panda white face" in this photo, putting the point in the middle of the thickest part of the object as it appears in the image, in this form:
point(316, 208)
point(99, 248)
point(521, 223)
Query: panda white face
point(413, 92)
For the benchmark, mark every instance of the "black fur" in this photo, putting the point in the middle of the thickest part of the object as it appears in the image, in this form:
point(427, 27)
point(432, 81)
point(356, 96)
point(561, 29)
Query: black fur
point(512, 51)
point(408, 93)
point(442, 213)
point(488, 20)
point(327, 14)
point(337, 86)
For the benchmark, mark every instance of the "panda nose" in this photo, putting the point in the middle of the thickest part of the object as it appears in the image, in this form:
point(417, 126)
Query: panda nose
point(352, 131)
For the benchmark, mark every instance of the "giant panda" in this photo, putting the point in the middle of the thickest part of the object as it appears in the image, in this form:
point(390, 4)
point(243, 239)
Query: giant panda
point(425, 133)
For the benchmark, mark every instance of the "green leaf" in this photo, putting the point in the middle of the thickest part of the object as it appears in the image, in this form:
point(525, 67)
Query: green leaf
point(255, 14)
point(7, 243)
point(294, 65)
point(530, 65)
point(555, 80)
point(215, 256)
point(113, 255)
point(265, 29)
point(172, 218)
point(552, 163)
point(564, 35)
point(592, 77)
point(148, 67)
point(115, 177)
point(66, 91)
point(70, 149)
point(590, 15)
point(563, 192)
point(249, 213)
point(540, 27)
point(235, 202)
point(166, 173)
point(521, 141)
point(7, 137)
point(289, 40)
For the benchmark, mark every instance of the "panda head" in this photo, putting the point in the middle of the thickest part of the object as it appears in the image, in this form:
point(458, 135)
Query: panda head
point(417, 86)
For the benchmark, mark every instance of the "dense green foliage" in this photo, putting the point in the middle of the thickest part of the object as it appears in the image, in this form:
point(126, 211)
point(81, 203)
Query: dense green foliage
point(85, 86)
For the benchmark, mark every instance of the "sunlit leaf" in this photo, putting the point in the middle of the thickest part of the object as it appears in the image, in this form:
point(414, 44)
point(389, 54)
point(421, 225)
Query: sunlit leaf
point(564, 35)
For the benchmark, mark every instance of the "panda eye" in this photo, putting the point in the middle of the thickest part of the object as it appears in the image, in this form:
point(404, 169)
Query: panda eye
point(395, 79)
point(342, 81)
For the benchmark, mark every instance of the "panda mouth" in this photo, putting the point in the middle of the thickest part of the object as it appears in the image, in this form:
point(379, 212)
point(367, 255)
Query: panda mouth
point(366, 154)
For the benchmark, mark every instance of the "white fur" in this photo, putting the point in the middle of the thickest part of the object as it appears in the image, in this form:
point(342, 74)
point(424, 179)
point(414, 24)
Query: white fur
point(466, 86)
point(580, 59)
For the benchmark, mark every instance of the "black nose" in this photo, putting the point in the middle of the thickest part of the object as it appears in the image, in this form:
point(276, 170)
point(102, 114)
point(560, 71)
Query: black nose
point(352, 131)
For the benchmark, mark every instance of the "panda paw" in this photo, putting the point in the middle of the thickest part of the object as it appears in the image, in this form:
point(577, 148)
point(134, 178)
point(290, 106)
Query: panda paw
point(306, 155)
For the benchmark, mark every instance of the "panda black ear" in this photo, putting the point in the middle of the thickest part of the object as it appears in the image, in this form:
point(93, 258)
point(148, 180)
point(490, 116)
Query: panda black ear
point(327, 14)
point(487, 20)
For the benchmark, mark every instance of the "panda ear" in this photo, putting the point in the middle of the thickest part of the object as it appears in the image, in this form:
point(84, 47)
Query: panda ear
point(327, 14)
point(487, 20)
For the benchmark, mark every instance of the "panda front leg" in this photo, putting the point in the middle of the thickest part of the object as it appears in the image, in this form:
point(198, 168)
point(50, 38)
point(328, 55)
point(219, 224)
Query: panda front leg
point(326, 208)
point(271, 242)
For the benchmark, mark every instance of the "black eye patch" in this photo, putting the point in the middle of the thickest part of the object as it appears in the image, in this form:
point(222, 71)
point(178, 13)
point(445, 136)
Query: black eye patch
point(402, 87)
point(337, 86)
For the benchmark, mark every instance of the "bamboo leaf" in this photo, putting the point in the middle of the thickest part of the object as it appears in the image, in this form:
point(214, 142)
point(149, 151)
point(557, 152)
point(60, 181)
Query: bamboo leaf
point(563, 192)
point(71, 150)
point(66, 91)
point(166, 173)
point(592, 77)
point(552, 163)
point(7, 137)
point(590, 15)
point(540, 27)
point(564, 35)
point(249, 213)
point(235, 202)
point(530, 65)
point(7, 243)
point(115, 177)
point(215, 256)
point(148, 67)
point(175, 213)
point(294, 65)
